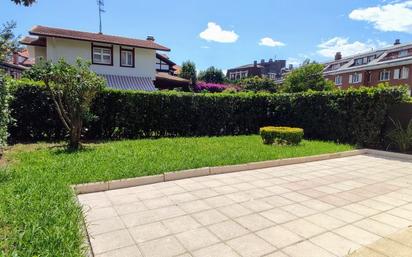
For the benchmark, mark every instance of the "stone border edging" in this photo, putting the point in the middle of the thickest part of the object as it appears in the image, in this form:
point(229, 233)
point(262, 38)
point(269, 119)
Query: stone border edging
point(177, 175)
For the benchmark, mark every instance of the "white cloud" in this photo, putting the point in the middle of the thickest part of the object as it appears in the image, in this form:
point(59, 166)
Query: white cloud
point(338, 44)
point(214, 32)
point(294, 61)
point(267, 41)
point(395, 16)
point(205, 47)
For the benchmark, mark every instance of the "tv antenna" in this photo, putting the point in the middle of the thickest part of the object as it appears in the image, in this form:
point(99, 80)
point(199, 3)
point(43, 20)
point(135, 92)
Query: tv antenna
point(100, 3)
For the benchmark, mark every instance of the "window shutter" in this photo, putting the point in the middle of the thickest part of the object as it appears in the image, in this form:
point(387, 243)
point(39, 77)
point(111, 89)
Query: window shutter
point(360, 77)
point(350, 79)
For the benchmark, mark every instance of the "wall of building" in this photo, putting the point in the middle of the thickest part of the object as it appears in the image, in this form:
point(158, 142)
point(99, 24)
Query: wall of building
point(70, 50)
point(372, 78)
point(37, 52)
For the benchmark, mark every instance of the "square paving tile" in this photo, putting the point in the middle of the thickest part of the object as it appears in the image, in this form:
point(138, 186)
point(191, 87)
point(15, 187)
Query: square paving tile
point(228, 230)
point(165, 247)
point(303, 228)
point(251, 246)
point(111, 241)
point(196, 239)
point(335, 244)
point(306, 249)
point(254, 222)
point(279, 237)
point(148, 232)
point(131, 251)
point(323, 208)
point(220, 250)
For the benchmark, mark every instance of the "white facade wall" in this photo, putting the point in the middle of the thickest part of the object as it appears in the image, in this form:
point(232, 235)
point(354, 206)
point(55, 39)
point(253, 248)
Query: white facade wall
point(37, 52)
point(70, 50)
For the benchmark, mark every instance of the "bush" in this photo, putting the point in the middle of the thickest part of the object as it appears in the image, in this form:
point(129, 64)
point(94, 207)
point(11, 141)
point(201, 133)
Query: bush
point(281, 135)
point(258, 84)
point(347, 116)
point(401, 137)
point(308, 77)
point(209, 87)
point(4, 111)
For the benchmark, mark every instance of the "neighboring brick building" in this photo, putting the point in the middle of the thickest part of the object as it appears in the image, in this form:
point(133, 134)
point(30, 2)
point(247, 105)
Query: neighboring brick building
point(272, 69)
point(392, 64)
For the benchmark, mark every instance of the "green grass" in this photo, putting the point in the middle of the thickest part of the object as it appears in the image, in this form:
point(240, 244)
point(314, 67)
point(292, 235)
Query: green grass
point(38, 214)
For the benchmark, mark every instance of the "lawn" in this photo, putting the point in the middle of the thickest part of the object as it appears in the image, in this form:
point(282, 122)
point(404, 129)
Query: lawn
point(38, 213)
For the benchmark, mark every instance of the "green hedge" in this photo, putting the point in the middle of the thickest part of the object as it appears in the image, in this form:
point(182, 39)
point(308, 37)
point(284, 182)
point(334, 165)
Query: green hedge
point(281, 135)
point(4, 111)
point(352, 116)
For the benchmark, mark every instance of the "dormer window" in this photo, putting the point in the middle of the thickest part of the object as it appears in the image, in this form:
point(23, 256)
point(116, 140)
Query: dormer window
point(102, 55)
point(336, 66)
point(359, 61)
point(403, 53)
point(127, 57)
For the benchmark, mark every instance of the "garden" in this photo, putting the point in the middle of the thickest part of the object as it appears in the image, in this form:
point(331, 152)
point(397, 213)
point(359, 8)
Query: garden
point(123, 134)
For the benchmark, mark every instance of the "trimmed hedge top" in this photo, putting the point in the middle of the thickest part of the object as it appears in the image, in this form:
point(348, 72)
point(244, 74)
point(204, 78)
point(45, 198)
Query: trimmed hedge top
point(281, 135)
point(351, 116)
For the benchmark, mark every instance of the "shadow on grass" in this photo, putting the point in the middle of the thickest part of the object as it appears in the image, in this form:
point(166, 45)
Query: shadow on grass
point(63, 149)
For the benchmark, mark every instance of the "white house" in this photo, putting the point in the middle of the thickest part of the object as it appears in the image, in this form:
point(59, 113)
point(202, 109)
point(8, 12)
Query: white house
point(126, 63)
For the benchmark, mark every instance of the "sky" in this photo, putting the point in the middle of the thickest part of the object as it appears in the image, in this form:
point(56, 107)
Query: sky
point(230, 33)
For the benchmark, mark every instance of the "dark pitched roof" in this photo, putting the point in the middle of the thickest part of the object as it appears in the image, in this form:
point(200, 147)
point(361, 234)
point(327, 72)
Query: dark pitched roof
point(164, 58)
point(95, 37)
point(247, 66)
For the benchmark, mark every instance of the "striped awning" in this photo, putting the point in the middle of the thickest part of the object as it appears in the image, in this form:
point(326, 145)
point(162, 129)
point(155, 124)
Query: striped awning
point(129, 82)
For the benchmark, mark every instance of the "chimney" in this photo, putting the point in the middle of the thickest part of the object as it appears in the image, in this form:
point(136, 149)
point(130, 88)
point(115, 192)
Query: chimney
point(255, 63)
point(150, 38)
point(397, 42)
point(16, 58)
point(338, 56)
point(262, 61)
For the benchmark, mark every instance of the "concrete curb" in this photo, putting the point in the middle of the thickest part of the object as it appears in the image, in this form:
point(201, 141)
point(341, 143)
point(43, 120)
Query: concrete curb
point(177, 175)
point(389, 154)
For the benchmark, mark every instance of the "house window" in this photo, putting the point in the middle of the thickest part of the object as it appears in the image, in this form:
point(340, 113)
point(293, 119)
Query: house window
point(355, 78)
point(371, 58)
point(397, 74)
point(161, 65)
point(244, 74)
point(126, 57)
point(102, 55)
point(359, 61)
point(405, 73)
point(336, 66)
point(403, 53)
point(384, 75)
point(338, 80)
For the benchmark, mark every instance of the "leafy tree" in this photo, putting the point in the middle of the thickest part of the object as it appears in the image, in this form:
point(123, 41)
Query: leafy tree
point(212, 75)
point(307, 77)
point(8, 42)
point(72, 89)
point(257, 84)
point(24, 2)
point(189, 72)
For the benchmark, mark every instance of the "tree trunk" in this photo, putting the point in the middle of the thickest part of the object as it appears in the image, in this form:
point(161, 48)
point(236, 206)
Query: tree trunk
point(75, 134)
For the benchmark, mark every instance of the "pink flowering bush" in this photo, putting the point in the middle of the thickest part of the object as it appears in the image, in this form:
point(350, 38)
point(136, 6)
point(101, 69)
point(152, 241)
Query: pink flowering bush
point(210, 87)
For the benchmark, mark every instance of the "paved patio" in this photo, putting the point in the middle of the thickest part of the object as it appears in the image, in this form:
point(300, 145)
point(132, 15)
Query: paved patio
point(317, 209)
